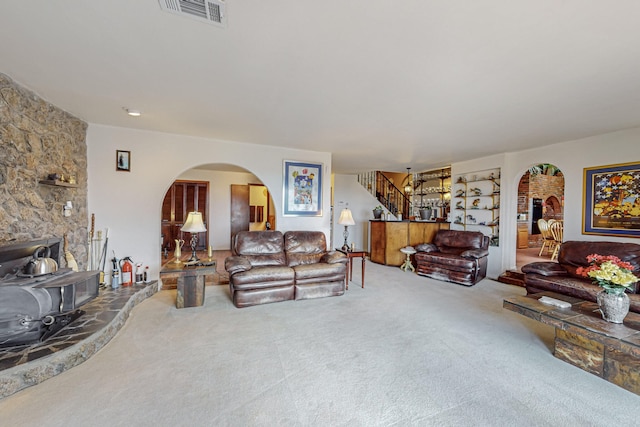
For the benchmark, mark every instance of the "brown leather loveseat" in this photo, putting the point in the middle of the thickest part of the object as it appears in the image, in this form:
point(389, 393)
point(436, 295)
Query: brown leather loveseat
point(560, 277)
point(454, 256)
point(267, 266)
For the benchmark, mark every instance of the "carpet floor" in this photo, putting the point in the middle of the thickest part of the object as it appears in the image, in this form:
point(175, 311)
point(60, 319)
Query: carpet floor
point(403, 351)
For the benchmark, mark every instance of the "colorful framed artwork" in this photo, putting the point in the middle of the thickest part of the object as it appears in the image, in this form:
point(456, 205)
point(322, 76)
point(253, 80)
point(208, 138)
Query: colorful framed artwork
point(123, 161)
point(612, 200)
point(302, 192)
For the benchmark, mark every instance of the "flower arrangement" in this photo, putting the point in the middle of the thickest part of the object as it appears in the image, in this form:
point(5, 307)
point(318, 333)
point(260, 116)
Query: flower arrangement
point(378, 208)
point(609, 272)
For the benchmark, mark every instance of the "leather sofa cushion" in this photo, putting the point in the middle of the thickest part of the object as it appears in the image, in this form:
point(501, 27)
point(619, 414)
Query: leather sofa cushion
point(261, 248)
point(573, 254)
point(464, 277)
point(449, 261)
point(263, 277)
point(304, 247)
point(456, 241)
point(544, 269)
point(322, 271)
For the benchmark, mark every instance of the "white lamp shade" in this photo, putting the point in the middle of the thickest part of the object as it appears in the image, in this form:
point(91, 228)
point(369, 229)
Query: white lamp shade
point(346, 218)
point(194, 223)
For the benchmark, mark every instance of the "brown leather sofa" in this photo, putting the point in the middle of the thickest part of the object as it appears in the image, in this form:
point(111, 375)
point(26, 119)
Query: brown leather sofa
point(267, 266)
point(454, 256)
point(560, 277)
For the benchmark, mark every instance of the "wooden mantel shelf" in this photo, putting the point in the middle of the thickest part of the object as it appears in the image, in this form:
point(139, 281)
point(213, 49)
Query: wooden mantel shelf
point(57, 183)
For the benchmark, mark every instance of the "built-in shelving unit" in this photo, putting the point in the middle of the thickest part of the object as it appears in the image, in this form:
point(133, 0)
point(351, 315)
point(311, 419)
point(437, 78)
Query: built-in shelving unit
point(476, 203)
point(432, 189)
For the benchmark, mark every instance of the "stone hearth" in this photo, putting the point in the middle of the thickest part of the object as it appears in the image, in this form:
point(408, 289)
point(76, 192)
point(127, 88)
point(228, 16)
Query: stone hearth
point(27, 365)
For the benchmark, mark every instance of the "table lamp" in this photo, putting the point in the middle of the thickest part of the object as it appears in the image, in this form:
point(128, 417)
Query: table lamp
point(346, 219)
point(194, 225)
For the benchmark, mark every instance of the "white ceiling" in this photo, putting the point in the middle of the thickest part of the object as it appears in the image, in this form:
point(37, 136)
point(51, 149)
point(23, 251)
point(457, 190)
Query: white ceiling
point(381, 84)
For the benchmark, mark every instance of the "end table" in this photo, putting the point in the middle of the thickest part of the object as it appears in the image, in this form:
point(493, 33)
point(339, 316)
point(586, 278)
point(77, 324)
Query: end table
point(190, 283)
point(356, 253)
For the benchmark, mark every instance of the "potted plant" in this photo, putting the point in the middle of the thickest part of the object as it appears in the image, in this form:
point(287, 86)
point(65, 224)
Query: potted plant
point(425, 212)
point(614, 276)
point(377, 212)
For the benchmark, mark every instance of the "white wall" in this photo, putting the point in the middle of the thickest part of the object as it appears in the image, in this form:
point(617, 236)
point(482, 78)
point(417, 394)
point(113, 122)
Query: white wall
point(348, 191)
point(129, 203)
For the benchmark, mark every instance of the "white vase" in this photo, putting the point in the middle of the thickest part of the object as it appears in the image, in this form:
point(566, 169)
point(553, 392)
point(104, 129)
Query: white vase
point(614, 307)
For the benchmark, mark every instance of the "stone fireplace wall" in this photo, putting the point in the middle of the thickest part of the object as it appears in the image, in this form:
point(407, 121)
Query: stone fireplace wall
point(38, 139)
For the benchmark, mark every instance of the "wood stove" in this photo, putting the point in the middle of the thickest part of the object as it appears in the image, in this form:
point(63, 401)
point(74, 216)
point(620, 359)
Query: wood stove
point(34, 307)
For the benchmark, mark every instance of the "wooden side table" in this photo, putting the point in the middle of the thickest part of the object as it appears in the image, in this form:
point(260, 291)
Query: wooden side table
point(190, 283)
point(356, 253)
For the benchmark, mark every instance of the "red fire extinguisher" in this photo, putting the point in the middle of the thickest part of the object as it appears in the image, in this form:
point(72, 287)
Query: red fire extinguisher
point(126, 269)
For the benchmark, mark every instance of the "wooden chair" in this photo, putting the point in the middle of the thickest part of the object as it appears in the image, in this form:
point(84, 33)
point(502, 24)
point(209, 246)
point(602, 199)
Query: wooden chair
point(556, 229)
point(547, 238)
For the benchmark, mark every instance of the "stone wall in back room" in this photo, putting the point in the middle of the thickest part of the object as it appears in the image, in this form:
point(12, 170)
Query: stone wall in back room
point(38, 139)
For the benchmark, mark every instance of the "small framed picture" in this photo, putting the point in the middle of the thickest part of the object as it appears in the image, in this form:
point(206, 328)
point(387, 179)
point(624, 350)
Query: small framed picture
point(123, 161)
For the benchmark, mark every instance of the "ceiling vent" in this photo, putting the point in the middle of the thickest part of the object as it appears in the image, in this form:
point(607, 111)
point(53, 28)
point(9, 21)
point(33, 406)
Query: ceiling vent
point(209, 11)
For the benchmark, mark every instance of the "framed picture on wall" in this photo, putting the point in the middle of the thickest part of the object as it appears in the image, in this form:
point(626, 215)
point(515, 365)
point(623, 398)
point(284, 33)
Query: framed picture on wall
point(302, 189)
point(123, 161)
point(612, 200)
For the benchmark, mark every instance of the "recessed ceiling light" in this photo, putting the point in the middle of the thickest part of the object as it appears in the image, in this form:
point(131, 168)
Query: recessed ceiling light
point(132, 112)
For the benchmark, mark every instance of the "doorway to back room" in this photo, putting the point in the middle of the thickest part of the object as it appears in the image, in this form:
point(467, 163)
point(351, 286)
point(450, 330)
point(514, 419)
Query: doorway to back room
point(540, 197)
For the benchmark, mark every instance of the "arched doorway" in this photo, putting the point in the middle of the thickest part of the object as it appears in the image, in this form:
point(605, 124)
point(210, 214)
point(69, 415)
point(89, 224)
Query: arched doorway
point(218, 209)
point(540, 196)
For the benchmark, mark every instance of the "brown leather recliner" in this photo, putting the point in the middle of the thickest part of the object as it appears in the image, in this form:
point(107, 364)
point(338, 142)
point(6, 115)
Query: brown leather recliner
point(454, 256)
point(268, 266)
point(561, 277)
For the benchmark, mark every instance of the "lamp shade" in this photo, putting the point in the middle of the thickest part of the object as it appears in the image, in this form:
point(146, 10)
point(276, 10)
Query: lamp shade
point(194, 223)
point(346, 218)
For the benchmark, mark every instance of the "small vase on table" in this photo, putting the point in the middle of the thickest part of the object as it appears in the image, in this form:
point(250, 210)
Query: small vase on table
point(615, 277)
point(614, 306)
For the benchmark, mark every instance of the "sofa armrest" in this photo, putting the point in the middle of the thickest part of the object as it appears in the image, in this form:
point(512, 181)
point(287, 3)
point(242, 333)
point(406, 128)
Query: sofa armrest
point(545, 269)
point(237, 264)
point(333, 257)
point(426, 247)
point(475, 253)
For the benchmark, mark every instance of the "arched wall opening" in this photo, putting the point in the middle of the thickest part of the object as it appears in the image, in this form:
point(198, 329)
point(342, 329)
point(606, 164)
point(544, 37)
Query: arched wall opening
point(540, 196)
point(218, 209)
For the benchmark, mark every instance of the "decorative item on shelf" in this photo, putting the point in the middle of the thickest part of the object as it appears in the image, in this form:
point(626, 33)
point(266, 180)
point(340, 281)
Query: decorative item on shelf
point(615, 277)
point(377, 212)
point(459, 205)
point(460, 193)
point(476, 191)
point(346, 219)
point(194, 225)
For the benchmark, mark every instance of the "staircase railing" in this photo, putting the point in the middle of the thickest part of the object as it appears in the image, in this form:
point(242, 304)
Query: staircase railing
point(389, 196)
